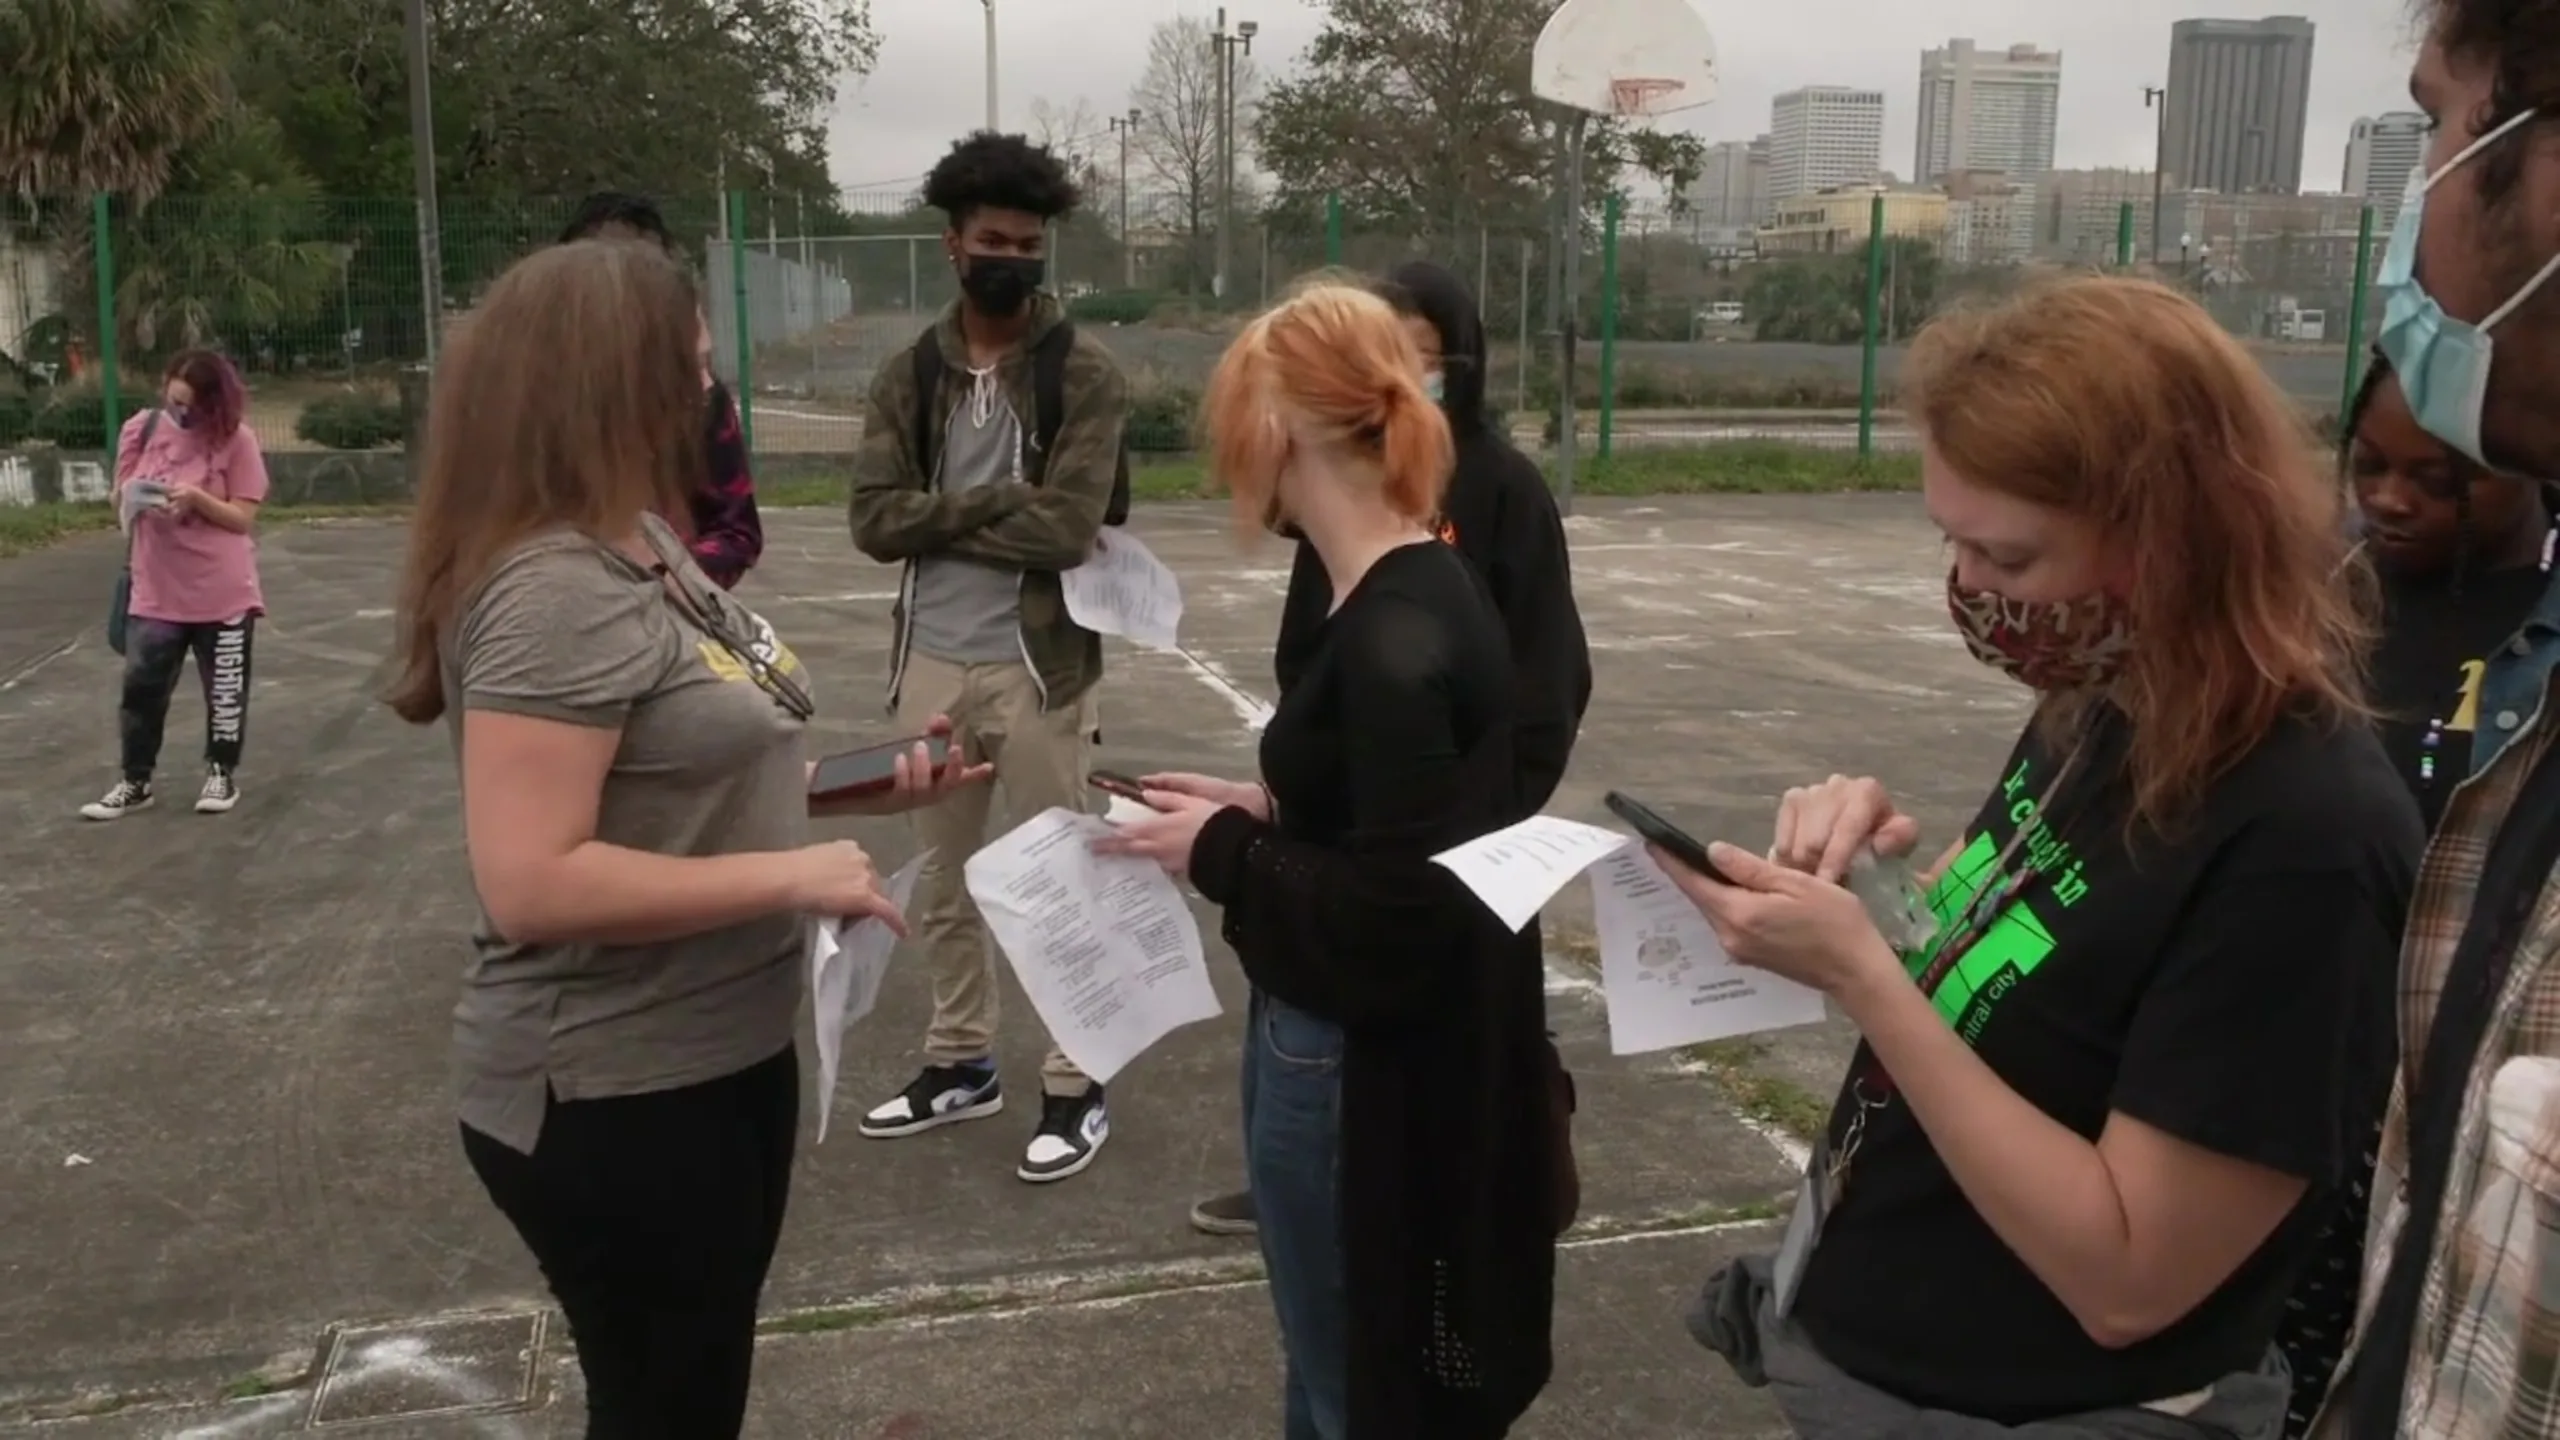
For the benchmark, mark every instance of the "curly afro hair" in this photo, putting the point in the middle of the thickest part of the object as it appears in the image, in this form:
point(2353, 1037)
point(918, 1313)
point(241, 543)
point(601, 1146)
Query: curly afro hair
point(1006, 172)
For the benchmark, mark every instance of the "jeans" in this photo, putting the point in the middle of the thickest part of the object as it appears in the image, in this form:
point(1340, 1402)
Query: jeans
point(654, 1219)
point(155, 652)
point(1293, 1143)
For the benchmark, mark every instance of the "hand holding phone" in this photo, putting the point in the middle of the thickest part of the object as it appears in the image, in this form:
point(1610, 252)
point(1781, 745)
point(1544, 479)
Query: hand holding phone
point(1112, 782)
point(1670, 838)
point(872, 770)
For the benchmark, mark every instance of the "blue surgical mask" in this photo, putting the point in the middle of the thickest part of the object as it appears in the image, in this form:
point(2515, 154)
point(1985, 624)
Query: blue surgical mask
point(2442, 363)
point(1434, 385)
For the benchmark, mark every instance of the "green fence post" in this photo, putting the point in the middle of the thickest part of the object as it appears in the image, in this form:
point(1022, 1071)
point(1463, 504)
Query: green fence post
point(1333, 227)
point(102, 240)
point(1610, 212)
point(1875, 311)
point(737, 228)
point(2355, 314)
point(2124, 236)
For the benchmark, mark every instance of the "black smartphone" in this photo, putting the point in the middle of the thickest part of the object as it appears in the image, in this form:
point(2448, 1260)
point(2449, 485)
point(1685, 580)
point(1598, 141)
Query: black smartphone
point(1112, 782)
point(872, 769)
point(1678, 843)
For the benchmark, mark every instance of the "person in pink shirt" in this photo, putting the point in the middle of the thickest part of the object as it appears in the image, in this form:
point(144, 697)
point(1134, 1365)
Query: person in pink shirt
point(195, 575)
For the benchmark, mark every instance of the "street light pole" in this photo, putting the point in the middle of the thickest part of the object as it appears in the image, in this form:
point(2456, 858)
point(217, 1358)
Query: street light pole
point(1223, 50)
point(991, 62)
point(2156, 99)
point(422, 146)
point(1127, 125)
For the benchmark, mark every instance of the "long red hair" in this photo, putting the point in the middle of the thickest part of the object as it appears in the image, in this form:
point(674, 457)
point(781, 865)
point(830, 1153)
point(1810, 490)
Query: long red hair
point(2121, 401)
point(1335, 363)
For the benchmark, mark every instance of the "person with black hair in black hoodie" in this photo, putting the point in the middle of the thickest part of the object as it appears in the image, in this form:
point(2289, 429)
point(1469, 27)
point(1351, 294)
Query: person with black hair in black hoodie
point(1500, 515)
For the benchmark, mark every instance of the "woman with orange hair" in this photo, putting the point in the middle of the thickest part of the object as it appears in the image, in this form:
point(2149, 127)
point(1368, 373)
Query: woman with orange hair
point(2098, 1120)
point(1395, 1072)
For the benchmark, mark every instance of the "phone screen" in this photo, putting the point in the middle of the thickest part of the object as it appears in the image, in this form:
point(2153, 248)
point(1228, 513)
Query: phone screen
point(874, 767)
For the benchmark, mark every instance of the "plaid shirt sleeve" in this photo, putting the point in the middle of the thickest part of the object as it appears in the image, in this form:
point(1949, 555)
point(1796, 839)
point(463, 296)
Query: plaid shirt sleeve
point(728, 537)
point(2486, 1360)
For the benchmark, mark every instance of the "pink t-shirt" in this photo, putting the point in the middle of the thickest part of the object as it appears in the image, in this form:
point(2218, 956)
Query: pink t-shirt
point(187, 569)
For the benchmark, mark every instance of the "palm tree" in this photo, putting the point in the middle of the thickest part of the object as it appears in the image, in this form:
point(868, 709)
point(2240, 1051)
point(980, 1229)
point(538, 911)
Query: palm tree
point(104, 92)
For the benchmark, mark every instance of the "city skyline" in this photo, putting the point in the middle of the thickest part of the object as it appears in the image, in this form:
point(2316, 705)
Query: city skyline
point(889, 128)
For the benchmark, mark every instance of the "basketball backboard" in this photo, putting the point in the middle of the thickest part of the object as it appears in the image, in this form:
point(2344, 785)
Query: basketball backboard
point(1625, 57)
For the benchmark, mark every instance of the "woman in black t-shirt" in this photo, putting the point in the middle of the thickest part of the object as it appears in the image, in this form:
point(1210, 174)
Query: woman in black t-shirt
point(2097, 1121)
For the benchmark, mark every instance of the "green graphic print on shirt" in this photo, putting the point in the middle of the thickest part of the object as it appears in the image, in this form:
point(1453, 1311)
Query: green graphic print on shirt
point(2017, 940)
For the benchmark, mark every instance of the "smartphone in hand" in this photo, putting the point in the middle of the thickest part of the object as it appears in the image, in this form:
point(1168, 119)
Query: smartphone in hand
point(1674, 841)
point(1112, 782)
point(872, 770)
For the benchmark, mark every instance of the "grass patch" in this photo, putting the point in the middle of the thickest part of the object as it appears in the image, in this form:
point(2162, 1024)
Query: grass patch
point(1772, 1100)
point(254, 1386)
point(32, 527)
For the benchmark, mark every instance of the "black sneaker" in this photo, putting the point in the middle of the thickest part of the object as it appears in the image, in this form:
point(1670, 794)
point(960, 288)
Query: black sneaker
point(1072, 1129)
point(1226, 1215)
point(939, 1095)
point(220, 791)
point(127, 797)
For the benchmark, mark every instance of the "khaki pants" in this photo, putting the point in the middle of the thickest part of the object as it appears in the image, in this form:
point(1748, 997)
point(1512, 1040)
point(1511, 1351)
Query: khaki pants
point(1040, 762)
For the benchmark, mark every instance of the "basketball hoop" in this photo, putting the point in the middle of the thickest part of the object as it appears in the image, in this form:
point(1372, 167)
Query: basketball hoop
point(1642, 97)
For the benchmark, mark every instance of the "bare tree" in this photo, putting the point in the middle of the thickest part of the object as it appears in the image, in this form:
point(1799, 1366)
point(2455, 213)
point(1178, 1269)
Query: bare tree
point(1069, 129)
point(1179, 132)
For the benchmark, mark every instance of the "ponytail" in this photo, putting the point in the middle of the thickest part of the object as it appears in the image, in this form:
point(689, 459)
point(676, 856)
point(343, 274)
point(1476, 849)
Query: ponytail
point(1414, 447)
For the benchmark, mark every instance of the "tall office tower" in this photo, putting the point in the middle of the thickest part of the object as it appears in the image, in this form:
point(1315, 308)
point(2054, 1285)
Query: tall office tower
point(1986, 111)
point(1733, 183)
point(1822, 136)
point(2382, 151)
point(2239, 95)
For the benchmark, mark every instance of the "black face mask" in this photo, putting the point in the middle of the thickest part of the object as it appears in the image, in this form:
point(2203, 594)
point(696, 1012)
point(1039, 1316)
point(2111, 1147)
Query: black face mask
point(1000, 285)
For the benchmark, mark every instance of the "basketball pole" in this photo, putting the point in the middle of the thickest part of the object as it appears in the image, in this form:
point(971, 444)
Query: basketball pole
point(1568, 424)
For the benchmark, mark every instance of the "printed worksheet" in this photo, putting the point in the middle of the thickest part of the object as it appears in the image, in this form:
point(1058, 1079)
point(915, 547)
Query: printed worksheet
point(1665, 978)
point(1103, 944)
point(846, 964)
point(1125, 590)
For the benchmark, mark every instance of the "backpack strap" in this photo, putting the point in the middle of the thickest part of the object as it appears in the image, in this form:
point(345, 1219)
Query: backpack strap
point(928, 381)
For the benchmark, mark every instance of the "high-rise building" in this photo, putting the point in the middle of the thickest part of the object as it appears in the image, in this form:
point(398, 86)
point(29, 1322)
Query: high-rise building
point(2239, 98)
point(1824, 136)
point(1986, 110)
point(2382, 152)
point(1733, 183)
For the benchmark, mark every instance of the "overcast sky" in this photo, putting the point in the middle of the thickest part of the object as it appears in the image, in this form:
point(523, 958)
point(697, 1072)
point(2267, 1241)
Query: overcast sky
point(929, 85)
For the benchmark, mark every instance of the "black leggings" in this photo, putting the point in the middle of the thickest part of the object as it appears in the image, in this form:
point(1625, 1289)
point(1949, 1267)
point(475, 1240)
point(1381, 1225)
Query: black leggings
point(654, 1219)
point(155, 651)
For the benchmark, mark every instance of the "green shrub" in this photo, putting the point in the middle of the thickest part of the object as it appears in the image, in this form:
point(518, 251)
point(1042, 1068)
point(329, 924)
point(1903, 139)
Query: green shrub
point(1114, 307)
point(74, 418)
point(1161, 419)
point(352, 420)
point(17, 415)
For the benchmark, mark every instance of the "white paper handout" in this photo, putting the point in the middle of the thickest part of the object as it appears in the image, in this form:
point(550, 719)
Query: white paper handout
point(1103, 944)
point(1665, 977)
point(846, 964)
point(137, 497)
point(1124, 590)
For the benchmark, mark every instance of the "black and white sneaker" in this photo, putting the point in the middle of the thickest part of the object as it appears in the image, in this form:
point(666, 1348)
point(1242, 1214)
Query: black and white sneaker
point(939, 1095)
point(127, 797)
point(220, 791)
point(1072, 1129)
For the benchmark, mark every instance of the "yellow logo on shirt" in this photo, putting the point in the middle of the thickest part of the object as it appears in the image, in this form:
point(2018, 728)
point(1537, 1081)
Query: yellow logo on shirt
point(2466, 715)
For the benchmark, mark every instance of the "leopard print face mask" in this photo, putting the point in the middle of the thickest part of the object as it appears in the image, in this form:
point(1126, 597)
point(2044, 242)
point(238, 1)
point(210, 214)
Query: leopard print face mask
point(2047, 645)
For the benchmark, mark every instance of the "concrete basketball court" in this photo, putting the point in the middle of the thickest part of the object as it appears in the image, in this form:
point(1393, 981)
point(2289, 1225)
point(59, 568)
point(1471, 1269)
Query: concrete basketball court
point(231, 1199)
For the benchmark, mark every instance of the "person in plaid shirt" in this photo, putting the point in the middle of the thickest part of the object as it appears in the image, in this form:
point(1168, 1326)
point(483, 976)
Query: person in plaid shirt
point(721, 528)
point(2458, 1331)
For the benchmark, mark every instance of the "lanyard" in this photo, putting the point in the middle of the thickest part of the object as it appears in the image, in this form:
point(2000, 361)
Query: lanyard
point(1870, 1087)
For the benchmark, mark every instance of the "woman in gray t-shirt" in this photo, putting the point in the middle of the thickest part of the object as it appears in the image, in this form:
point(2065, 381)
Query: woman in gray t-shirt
point(635, 802)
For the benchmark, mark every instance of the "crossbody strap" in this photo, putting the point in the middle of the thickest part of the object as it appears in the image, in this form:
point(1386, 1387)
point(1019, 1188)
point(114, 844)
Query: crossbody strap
point(150, 427)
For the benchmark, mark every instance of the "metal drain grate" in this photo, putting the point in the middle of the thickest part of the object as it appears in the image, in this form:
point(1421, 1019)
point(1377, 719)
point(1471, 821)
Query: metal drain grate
point(453, 1365)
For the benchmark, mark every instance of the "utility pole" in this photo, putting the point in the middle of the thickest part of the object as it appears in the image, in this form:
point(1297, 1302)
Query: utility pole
point(1126, 125)
point(2156, 99)
point(1223, 50)
point(991, 62)
point(422, 145)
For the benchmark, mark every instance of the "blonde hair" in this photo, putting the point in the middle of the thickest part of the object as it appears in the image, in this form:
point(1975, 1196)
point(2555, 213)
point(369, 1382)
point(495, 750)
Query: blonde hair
point(1335, 362)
